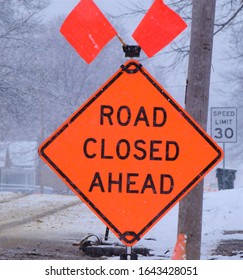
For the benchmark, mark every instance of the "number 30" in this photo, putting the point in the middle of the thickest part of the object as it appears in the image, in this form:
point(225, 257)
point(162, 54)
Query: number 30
point(227, 133)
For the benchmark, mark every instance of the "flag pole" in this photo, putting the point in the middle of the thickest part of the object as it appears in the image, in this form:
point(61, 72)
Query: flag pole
point(129, 50)
point(121, 40)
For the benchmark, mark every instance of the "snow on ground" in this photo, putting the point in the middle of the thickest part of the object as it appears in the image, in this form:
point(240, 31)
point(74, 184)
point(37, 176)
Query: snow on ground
point(223, 211)
point(222, 220)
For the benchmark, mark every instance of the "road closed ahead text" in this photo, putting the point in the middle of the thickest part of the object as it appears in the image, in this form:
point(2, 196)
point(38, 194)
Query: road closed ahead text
point(124, 149)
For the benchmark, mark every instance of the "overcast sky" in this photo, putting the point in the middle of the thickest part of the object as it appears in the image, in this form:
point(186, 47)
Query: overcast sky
point(65, 6)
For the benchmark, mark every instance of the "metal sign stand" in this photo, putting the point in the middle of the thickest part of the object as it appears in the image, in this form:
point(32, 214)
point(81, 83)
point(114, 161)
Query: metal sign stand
point(129, 255)
point(107, 234)
point(224, 165)
point(130, 51)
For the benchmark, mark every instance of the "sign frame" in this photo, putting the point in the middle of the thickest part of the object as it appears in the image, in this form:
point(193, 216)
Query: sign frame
point(131, 67)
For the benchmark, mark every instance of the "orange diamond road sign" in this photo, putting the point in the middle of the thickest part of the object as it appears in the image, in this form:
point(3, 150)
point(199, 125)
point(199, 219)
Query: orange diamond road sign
point(131, 152)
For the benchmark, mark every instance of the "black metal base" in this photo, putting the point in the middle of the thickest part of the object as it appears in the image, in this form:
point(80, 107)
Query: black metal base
point(131, 51)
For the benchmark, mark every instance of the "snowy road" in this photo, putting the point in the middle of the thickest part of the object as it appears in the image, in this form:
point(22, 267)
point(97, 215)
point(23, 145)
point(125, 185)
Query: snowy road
point(25, 215)
point(46, 227)
point(28, 231)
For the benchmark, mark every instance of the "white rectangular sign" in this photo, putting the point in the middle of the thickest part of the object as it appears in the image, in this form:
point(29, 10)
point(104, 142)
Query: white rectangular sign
point(224, 124)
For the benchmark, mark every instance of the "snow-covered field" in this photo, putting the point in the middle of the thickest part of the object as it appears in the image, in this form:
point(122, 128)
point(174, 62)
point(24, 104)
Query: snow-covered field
point(64, 218)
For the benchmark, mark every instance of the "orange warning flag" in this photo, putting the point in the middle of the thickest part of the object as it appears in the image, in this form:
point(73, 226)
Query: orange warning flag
point(180, 248)
point(87, 30)
point(158, 28)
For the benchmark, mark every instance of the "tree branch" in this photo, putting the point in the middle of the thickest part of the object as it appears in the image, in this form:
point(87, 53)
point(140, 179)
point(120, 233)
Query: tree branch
point(223, 25)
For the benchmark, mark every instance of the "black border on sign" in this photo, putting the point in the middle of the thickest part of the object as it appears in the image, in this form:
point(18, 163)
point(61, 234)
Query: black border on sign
point(130, 68)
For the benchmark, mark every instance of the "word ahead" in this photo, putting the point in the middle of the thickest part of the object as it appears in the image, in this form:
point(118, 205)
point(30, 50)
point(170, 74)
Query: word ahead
point(130, 152)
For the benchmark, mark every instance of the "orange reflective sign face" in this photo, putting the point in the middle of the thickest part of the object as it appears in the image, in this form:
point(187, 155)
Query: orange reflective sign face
point(131, 152)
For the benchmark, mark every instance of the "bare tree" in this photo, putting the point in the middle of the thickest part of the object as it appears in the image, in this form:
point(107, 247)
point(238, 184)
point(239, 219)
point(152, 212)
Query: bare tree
point(19, 20)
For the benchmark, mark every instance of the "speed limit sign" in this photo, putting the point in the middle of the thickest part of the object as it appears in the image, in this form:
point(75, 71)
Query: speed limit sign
point(224, 124)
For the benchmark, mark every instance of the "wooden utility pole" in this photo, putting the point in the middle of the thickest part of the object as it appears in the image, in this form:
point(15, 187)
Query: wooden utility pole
point(197, 96)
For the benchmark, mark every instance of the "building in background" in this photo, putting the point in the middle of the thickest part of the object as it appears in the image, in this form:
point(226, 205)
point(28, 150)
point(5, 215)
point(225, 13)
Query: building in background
point(22, 172)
